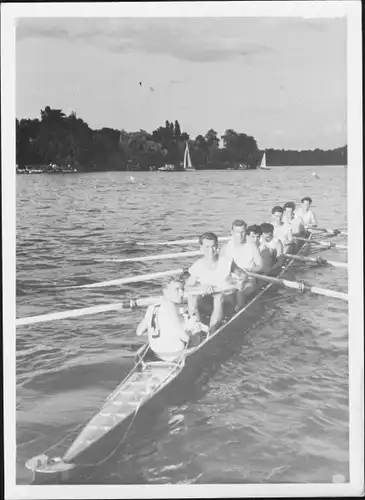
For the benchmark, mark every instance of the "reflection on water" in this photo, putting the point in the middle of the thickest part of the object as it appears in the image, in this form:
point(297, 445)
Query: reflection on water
point(272, 407)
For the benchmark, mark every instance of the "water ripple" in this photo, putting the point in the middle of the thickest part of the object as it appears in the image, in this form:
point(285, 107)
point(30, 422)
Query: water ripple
point(271, 407)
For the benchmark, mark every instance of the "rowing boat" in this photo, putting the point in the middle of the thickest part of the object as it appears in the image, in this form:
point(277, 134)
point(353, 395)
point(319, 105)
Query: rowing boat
point(142, 384)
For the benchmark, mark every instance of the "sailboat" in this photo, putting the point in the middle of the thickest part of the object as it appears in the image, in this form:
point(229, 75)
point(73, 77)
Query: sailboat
point(188, 166)
point(262, 165)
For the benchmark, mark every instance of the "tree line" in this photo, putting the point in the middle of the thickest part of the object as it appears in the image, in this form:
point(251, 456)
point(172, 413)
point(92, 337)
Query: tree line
point(276, 157)
point(64, 140)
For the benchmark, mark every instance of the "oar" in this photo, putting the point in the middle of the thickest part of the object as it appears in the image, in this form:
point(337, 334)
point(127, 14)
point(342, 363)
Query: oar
point(131, 279)
point(301, 286)
point(328, 244)
point(125, 304)
point(333, 232)
point(162, 256)
point(74, 313)
point(194, 241)
point(317, 260)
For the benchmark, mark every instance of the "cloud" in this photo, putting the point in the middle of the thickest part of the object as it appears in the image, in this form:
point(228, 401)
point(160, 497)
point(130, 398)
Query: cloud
point(195, 40)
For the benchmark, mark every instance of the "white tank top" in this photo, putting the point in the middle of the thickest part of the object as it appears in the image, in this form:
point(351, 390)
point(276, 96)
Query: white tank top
point(165, 332)
point(283, 232)
point(268, 253)
point(210, 276)
point(242, 255)
point(295, 224)
point(307, 217)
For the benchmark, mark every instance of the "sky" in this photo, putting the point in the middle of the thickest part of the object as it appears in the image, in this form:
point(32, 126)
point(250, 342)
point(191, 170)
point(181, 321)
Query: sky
point(282, 80)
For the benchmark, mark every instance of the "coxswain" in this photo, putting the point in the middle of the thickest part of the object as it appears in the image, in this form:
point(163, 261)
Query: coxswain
point(207, 272)
point(306, 213)
point(282, 231)
point(167, 328)
point(243, 254)
point(271, 249)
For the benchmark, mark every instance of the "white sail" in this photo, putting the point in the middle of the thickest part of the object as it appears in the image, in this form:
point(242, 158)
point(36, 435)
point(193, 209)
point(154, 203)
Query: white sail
point(187, 160)
point(263, 163)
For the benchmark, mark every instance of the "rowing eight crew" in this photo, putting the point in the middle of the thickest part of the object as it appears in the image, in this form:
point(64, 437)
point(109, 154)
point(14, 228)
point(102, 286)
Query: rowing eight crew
point(257, 249)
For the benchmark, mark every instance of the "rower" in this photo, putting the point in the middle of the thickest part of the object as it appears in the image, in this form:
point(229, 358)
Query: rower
point(293, 222)
point(254, 233)
point(282, 231)
point(271, 250)
point(208, 271)
point(243, 254)
point(165, 325)
point(306, 213)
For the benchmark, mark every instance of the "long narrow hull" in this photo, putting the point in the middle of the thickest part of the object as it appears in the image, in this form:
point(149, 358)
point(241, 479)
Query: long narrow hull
point(122, 405)
point(139, 387)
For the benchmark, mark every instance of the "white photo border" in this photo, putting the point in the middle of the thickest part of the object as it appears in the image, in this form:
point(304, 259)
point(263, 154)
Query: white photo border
point(327, 9)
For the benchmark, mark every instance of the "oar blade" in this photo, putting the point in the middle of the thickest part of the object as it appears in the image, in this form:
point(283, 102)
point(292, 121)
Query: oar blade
point(329, 293)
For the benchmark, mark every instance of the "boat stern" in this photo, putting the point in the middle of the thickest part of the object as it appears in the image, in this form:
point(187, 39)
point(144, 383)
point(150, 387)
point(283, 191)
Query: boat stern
point(45, 467)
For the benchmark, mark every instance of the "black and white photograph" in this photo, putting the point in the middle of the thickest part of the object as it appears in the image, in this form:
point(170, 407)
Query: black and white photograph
point(183, 252)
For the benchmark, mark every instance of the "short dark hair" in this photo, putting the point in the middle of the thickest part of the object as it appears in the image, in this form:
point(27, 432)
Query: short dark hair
point(179, 278)
point(254, 228)
point(289, 204)
point(208, 236)
point(306, 198)
point(266, 227)
point(277, 208)
point(239, 223)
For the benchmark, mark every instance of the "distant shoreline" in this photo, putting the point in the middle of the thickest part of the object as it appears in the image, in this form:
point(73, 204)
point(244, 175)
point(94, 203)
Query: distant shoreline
point(37, 170)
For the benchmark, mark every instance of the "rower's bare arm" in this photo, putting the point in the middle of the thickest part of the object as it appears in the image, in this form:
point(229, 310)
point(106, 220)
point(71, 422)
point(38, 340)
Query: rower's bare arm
point(259, 263)
point(237, 270)
point(300, 230)
point(185, 337)
point(313, 222)
point(191, 281)
point(280, 256)
point(223, 251)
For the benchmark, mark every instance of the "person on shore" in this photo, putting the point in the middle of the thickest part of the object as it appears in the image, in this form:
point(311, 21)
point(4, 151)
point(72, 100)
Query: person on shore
point(168, 330)
point(306, 213)
point(207, 272)
point(242, 254)
point(282, 231)
point(271, 250)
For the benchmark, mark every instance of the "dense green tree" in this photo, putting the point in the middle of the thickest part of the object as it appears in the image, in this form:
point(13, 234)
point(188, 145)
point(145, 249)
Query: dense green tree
point(67, 140)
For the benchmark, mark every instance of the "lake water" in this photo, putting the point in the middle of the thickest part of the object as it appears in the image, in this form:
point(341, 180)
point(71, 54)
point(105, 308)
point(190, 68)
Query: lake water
point(274, 408)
